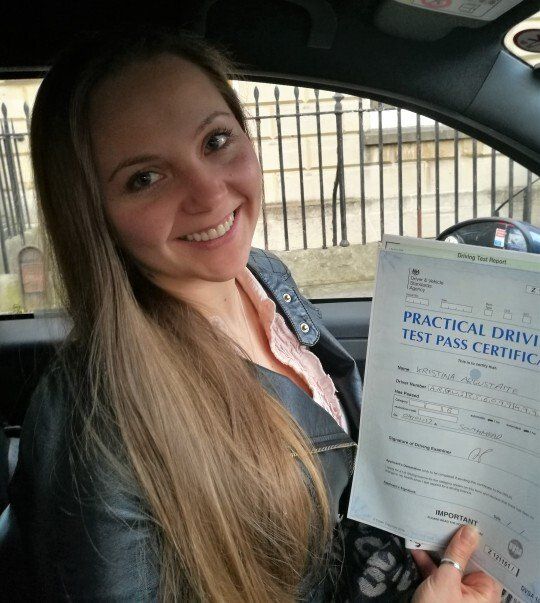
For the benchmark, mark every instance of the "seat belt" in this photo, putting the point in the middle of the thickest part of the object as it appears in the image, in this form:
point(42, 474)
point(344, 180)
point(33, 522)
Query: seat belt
point(13, 455)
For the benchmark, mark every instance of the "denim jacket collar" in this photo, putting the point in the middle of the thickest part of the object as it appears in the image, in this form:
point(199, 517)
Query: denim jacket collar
point(276, 277)
point(306, 321)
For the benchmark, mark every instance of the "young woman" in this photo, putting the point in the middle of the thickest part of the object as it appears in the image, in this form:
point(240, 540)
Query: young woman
point(195, 438)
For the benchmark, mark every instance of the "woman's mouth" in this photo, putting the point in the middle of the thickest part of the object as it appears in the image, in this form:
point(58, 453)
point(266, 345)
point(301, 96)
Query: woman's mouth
point(213, 233)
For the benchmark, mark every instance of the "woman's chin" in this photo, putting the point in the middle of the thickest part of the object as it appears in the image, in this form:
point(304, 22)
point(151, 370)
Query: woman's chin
point(226, 272)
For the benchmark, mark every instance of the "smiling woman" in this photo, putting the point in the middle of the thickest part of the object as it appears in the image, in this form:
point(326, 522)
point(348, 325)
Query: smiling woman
point(194, 439)
point(184, 485)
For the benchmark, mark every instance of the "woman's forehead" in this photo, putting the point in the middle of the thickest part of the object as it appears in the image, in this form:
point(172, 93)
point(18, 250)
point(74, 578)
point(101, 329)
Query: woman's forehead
point(164, 83)
point(150, 108)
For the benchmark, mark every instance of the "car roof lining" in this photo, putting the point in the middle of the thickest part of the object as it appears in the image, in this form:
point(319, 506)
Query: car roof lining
point(272, 38)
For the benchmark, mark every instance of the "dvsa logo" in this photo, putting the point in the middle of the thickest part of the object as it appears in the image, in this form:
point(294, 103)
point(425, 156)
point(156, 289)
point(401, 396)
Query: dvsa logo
point(515, 549)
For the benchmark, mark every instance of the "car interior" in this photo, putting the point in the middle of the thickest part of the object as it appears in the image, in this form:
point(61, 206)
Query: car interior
point(414, 55)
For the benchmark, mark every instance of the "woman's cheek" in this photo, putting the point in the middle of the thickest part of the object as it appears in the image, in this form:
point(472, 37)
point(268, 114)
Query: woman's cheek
point(141, 227)
point(247, 171)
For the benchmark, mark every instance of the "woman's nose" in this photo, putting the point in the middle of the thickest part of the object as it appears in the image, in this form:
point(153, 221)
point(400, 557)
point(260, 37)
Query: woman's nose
point(203, 190)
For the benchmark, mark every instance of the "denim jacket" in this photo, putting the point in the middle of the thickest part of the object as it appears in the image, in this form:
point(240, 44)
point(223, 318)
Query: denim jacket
point(105, 551)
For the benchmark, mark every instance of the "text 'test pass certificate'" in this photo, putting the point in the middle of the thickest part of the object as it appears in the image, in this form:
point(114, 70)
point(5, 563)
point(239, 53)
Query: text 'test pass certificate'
point(450, 425)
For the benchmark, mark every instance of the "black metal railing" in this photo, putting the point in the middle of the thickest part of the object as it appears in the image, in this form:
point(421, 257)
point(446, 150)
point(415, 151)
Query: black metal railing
point(335, 205)
point(337, 215)
point(15, 217)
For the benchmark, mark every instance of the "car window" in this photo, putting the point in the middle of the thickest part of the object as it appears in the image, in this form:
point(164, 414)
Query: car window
point(338, 171)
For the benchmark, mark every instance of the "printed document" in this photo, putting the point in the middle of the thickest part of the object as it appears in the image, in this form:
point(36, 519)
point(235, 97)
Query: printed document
point(450, 425)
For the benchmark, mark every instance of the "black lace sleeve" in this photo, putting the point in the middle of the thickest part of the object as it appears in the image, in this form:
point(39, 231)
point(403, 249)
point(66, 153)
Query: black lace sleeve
point(375, 566)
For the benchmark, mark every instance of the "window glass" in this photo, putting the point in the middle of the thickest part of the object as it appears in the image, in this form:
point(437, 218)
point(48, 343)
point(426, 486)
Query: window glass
point(483, 234)
point(339, 171)
point(23, 282)
point(515, 240)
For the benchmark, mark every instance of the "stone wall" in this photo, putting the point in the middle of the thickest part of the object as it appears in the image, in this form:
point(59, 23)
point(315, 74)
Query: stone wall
point(333, 272)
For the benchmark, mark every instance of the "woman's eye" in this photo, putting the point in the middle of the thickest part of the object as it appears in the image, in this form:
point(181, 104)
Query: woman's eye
point(218, 140)
point(142, 180)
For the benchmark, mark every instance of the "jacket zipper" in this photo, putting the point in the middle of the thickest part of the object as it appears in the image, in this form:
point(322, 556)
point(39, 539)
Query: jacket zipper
point(343, 445)
point(330, 447)
point(335, 446)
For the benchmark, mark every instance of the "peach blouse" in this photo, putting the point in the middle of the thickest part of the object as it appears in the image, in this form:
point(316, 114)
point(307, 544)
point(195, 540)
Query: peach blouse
point(288, 350)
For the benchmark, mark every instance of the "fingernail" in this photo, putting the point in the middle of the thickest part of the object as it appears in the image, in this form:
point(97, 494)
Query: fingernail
point(469, 534)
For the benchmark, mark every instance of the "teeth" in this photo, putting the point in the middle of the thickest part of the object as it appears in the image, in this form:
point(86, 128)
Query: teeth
point(213, 233)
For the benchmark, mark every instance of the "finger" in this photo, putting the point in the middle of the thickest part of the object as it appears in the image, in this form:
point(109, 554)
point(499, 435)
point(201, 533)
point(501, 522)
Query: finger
point(424, 562)
point(460, 549)
point(484, 585)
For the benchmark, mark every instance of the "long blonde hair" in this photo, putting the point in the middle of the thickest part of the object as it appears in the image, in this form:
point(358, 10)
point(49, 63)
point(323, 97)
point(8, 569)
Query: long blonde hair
point(168, 400)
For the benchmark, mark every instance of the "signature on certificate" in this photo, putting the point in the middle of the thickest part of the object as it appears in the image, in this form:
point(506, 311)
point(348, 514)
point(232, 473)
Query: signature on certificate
point(477, 454)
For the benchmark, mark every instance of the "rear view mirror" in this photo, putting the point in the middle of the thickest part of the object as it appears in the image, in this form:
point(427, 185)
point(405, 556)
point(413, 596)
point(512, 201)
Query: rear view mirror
point(504, 233)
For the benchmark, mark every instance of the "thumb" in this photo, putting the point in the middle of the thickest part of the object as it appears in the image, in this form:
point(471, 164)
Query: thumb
point(460, 549)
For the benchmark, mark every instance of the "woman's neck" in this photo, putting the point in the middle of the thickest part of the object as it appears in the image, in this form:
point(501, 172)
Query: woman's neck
point(220, 299)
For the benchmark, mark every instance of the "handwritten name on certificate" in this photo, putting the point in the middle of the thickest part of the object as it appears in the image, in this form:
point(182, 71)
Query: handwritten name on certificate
point(450, 425)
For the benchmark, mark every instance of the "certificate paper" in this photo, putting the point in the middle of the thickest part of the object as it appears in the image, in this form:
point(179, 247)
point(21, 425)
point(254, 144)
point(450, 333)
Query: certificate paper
point(450, 425)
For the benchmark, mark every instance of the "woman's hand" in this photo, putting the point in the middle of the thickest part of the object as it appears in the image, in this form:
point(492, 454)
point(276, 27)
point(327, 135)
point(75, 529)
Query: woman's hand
point(445, 584)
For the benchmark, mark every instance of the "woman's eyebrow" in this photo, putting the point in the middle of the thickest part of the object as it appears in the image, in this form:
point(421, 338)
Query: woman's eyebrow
point(143, 158)
point(132, 161)
point(210, 119)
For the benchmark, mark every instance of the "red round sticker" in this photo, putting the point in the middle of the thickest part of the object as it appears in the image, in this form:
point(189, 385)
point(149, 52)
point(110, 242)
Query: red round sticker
point(528, 39)
point(437, 3)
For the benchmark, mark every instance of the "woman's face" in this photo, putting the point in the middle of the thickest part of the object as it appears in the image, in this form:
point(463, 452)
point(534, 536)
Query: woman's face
point(180, 178)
